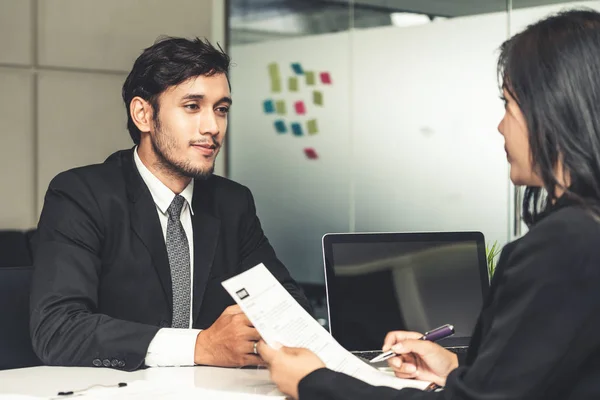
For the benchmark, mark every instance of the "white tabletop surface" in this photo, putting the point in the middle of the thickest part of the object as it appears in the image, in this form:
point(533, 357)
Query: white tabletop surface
point(48, 381)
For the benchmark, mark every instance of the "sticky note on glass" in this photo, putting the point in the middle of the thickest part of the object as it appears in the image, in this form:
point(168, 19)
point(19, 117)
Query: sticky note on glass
point(310, 153)
point(275, 77)
point(300, 108)
point(326, 78)
point(274, 70)
point(318, 98)
point(280, 126)
point(280, 107)
point(311, 127)
point(293, 84)
point(297, 68)
point(297, 129)
point(276, 85)
point(269, 106)
point(310, 78)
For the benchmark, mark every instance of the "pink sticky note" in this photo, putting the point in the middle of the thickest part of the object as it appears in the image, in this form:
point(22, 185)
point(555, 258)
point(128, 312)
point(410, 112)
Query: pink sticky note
point(326, 78)
point(310, 153)
point(300, 109)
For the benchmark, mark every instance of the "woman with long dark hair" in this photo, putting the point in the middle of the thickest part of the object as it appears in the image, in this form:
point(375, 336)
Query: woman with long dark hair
point(538, 334)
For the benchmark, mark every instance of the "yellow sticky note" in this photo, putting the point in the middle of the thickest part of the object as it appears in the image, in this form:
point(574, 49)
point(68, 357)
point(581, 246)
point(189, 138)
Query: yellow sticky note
point(276, 85)
point(310, 77)
point(280, 107)
point(274, 71)
point(318, 98)
point(293, 84)
point(311, 127)
point(275, 77)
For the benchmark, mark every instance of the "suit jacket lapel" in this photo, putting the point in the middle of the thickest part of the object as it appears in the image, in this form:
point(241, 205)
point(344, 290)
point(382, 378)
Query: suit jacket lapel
point(206, 236)
point(146, 225)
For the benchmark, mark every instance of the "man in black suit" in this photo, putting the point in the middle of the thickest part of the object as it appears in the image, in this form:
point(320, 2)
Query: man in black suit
point(130, 254)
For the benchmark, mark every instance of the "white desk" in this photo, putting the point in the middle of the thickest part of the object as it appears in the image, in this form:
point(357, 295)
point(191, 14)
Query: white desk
point(48, 381)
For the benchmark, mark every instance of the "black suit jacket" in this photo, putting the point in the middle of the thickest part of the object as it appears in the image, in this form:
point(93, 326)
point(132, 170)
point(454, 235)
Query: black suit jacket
point(538, 333)
point(102, 284)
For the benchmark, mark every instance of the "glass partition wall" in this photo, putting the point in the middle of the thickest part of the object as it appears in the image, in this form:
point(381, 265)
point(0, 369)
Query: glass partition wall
point(372, 116)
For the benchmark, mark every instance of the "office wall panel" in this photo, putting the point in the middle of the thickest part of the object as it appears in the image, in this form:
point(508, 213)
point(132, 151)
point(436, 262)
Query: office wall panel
point(110, 34)
point(16, 151)
point(81, 121)
point(15, 32)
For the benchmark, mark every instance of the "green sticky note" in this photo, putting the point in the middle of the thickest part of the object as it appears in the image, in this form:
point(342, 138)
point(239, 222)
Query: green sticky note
point(310, 77)
point(318, 98)
point(293, 84)
point(275, 77)
point(275, 85)
point(280, 107)
point(274, 71)
point(311, 127)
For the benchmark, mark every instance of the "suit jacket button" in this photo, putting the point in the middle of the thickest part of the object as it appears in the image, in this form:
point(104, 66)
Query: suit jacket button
point(114, 363)
point(106, 363)
point(97, 362)
point(121, 364)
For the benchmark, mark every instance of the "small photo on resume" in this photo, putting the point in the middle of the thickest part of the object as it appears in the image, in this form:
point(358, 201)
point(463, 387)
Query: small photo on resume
point(242, 294)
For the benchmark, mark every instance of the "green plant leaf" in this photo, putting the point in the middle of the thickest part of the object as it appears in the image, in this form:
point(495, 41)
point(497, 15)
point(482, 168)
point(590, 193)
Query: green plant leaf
point(491, 254)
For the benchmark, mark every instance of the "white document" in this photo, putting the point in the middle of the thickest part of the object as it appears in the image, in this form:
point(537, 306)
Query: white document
point(280, 319)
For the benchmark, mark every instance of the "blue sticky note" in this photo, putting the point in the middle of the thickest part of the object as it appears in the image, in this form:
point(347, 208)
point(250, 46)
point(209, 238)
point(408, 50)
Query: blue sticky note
point(297, 129)
point(269, 106)
point(297, 68)
point(280, 126)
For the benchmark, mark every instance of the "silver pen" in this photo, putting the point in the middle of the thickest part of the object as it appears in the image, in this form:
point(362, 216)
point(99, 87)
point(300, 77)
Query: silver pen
point(433, 336)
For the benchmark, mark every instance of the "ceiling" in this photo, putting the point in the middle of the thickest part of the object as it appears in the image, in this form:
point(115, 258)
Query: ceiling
point(260, 20)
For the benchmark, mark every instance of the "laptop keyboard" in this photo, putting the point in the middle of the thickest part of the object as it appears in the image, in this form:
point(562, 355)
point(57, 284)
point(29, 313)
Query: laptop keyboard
point(367, 355)
point(458, 350)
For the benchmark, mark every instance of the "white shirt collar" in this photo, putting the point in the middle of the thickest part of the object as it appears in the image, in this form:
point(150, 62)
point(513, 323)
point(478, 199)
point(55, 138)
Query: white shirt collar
point(161, 194)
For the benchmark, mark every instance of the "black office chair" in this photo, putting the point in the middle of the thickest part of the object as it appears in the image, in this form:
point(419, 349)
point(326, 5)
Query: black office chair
point(15, 342)
point(15, 249)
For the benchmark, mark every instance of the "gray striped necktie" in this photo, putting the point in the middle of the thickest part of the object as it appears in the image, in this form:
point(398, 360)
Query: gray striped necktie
point(179, 261)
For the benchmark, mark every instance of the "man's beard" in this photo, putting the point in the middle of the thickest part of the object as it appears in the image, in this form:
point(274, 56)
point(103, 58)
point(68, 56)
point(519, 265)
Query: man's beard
point(164, 146)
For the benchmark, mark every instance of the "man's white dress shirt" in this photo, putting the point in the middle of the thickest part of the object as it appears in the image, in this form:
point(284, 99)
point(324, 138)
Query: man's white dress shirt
point(171, 346)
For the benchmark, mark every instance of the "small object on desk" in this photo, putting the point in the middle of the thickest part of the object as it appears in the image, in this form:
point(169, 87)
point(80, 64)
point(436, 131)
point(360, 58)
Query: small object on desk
point(71, 392)
point(433, 335)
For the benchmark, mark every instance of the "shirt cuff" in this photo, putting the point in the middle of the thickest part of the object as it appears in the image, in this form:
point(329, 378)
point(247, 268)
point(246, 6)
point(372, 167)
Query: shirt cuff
point(172, 347)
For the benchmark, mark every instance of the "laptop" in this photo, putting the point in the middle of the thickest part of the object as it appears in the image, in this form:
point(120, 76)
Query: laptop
point(382, 282)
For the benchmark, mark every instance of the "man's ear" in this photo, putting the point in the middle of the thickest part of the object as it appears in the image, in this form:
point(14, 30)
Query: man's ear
point(141, 113)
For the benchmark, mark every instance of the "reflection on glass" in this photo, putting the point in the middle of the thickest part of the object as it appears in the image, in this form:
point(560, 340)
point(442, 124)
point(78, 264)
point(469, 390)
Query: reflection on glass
point(416, 286)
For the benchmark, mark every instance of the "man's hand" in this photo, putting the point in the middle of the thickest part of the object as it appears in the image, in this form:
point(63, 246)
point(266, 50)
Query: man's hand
point(288, 366)
point(229, 342)
point(419, 359)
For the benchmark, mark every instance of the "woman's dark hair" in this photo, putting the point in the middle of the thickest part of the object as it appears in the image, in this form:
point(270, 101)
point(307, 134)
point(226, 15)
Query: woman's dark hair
point(167, 63)
point(552, 70)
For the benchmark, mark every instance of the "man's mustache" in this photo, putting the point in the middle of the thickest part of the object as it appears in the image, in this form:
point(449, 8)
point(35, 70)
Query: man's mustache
point(213, 143)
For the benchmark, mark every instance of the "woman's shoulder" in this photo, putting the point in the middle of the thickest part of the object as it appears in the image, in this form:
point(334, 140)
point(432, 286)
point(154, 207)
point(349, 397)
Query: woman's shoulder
point(570, 235)
point(569, 223)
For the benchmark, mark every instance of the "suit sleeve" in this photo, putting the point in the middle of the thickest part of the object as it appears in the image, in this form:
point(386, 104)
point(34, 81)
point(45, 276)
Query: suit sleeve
point(256, 249)
point(66, 328)
point(325, 384)
point(543, 329)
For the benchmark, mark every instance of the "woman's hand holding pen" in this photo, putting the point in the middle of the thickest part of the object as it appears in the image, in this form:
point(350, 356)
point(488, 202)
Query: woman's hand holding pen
point(419, 359)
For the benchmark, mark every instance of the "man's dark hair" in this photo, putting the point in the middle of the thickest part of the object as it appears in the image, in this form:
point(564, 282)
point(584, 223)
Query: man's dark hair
point(168, 62)
point(552, 70)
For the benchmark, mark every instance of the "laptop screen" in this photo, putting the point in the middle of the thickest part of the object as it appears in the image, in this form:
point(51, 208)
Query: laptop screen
point(378, 283)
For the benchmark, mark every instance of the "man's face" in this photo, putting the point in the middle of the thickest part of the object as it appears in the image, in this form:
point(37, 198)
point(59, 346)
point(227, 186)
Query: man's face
point(190, 126)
